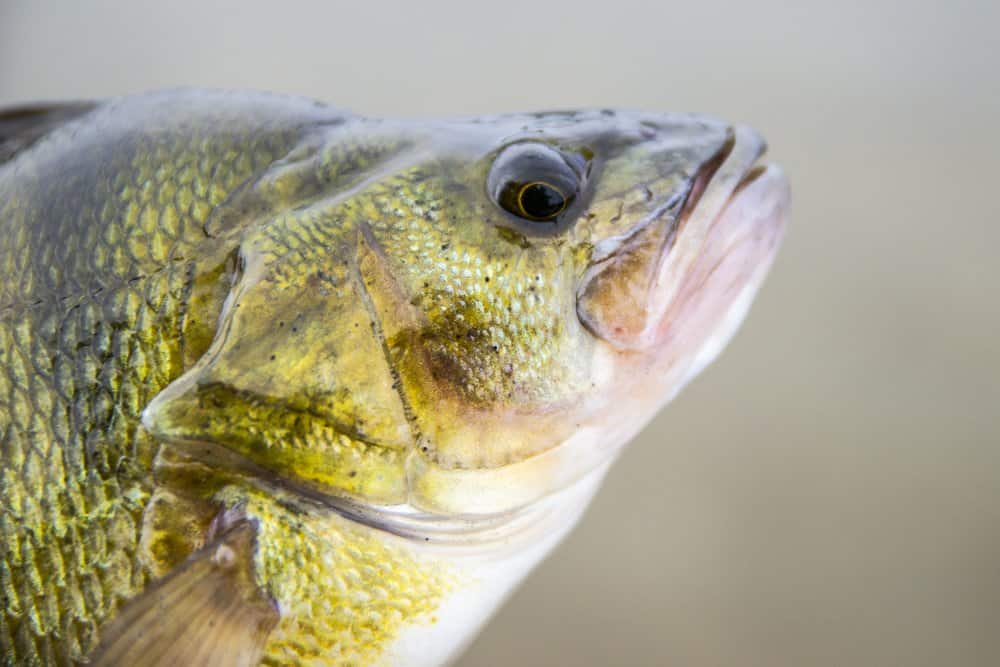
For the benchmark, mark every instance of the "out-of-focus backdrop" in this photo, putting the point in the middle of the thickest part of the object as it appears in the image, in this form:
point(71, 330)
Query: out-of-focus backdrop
point(829, 492)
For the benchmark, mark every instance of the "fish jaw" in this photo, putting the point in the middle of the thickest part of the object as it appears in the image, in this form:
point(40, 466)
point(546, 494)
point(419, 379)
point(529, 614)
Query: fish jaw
point(666, 301)
point(628, 290)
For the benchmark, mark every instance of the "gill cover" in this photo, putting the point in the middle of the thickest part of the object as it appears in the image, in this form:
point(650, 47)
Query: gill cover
point(296, 382)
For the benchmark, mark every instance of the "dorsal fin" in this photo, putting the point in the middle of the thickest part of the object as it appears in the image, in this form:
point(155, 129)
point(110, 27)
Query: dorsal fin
point(22, 126)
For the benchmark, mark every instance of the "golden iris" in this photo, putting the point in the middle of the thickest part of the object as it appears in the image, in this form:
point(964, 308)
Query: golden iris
point(539, 200)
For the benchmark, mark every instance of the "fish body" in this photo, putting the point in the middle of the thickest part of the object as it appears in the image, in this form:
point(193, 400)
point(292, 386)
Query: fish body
point(285, 385)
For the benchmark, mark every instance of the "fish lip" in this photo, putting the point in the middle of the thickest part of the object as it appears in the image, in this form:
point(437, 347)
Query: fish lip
point(736, 167)
point(719, 178)
point(691, 211)
point(699, 183)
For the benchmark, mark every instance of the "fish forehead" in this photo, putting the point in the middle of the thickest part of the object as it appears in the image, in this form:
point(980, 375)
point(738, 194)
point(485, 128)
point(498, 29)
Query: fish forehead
point(628, 122)
point(603, 130)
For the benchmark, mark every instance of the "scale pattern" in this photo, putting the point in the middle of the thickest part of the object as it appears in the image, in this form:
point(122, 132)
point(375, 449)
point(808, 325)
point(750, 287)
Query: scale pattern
point(343, 590)
point(99, 309)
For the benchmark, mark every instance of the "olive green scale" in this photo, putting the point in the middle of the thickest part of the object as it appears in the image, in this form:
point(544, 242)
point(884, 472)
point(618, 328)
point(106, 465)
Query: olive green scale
point(103, 303)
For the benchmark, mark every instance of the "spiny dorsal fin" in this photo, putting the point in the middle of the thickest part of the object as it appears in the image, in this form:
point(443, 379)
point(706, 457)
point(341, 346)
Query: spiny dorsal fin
point(207, 612)
point(24, 125)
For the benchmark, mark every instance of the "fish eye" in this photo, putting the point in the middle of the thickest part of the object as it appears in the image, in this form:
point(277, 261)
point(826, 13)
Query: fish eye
point(535, 181)
point(540, 201)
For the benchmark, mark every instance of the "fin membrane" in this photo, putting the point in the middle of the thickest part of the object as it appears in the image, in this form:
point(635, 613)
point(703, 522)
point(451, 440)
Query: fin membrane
point(207, 612)
point(22, 126)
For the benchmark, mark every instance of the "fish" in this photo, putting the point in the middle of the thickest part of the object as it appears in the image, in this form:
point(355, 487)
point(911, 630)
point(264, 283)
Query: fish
point(284, 385)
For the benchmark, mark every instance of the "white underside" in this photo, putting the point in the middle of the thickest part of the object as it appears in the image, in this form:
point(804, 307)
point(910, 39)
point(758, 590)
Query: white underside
point(487, 577)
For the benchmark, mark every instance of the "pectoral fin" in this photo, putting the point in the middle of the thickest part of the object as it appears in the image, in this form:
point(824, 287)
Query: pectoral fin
point(207, 612)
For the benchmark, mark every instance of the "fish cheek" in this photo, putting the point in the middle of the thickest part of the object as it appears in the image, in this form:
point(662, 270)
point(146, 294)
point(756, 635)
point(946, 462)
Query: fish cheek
point(296, 383)
point(485, 379)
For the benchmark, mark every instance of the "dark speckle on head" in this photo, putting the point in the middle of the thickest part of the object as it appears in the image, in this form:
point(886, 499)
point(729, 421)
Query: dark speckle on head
point(512, 237)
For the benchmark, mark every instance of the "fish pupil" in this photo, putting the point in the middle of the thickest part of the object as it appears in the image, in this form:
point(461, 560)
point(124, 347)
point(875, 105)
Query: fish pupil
point(541, 201)
point(536, 182)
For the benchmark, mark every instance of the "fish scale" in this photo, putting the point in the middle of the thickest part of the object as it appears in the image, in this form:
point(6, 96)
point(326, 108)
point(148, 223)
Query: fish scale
point(91, 328)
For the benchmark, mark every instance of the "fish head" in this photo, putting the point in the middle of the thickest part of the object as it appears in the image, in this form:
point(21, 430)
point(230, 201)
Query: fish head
point(487, 310)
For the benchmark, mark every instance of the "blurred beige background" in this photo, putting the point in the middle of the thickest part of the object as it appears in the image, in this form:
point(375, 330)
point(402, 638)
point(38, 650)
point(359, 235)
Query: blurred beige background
point(829, 492)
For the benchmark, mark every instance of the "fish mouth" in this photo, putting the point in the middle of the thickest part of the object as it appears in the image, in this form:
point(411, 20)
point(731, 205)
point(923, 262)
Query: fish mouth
point(632, 284)
point(728, 241)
